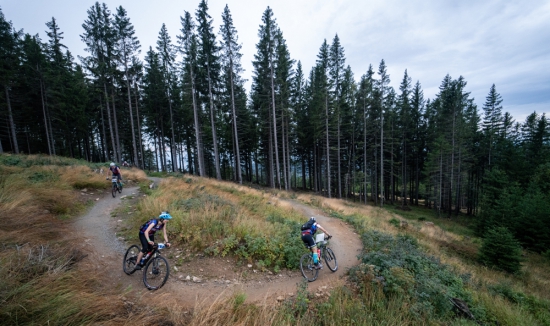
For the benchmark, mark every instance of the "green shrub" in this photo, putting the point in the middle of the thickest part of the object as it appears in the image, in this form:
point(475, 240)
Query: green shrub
point(395, 222)
point(501, 250)
point(408, 273)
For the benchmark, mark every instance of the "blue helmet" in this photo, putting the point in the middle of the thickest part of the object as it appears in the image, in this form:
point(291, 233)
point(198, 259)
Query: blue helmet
point(165, 216)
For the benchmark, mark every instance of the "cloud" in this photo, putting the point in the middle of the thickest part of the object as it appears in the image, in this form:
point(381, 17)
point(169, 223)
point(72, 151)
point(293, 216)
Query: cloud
point(495, 41)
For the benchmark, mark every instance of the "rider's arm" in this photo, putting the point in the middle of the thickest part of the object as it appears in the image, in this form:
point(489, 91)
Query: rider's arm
point(323, 229)
point(147, 233)
point(165, 235)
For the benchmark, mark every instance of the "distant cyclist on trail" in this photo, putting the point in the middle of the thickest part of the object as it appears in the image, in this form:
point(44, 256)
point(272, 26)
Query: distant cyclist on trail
point(115, 171)
point(147, 235)
point(308, 231)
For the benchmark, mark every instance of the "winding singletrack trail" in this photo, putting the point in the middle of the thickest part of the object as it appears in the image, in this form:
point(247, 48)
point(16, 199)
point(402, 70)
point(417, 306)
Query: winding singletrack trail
point(96, 232)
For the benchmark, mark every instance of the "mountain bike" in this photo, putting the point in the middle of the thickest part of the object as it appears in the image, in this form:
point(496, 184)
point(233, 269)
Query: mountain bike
point(155, 267)
point(117, 186)
point(309, 270)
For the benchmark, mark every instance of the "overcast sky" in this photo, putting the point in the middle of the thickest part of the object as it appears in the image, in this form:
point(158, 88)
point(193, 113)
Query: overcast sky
point(502, 42)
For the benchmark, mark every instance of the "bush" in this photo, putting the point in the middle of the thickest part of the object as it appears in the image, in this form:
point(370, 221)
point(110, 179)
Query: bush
point(409, 274)
point(501, 250)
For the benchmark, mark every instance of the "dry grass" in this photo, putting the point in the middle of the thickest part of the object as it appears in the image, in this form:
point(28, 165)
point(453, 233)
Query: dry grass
point(39, 284)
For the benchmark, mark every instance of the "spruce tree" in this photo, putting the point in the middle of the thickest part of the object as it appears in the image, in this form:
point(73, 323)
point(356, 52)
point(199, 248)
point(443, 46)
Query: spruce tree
point(127, 46)
point(188, 46)
point(231, 58)
point(501, 250)
point(209, 72)
point(492, 120)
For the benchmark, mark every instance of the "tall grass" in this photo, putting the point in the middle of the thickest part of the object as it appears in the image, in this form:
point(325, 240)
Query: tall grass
point(457, 252)
point(221, 218)
point(39, 282)
point(41, 285)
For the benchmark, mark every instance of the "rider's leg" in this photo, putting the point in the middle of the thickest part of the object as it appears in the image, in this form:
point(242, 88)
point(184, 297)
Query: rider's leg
point(144, 248)
point(315, 256)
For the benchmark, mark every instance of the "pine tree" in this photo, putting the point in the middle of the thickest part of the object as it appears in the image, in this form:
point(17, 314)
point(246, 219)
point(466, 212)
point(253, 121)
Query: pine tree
point(336, 72)
point(231, 57)
point(209, 71)
point(127, 46)
point(263, 96)
point(9, 60)
point(323, 67)
point(501, 250)
point(189, 47)
point(405, 115)
point(493, 120)
point(166, 52)
point(382, 86)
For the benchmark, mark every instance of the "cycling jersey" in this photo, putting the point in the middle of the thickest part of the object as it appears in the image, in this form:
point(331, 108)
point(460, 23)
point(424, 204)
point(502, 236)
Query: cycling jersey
point(115, 170)
point(312, 230)
point(154, 229)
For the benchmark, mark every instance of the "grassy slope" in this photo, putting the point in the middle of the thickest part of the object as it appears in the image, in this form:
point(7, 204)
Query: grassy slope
point(223, 218)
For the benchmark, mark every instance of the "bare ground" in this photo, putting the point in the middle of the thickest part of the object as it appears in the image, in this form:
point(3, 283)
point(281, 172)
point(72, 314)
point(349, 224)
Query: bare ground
point(96, 231)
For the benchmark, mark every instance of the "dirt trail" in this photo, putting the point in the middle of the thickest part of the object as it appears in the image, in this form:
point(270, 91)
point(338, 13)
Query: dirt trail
point(220, 276)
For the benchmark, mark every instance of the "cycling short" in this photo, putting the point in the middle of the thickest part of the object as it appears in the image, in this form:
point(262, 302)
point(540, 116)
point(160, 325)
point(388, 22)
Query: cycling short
point(308, 240)
point(145, 246)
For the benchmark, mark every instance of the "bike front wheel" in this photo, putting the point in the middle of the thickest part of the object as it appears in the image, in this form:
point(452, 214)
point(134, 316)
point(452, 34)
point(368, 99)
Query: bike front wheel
point(114, 189)
point(156, 273)
point(308, 269)
point(130, 259)
point(330, 260)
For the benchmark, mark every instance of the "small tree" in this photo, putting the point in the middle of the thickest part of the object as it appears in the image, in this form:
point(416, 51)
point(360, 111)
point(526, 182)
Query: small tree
point(501, 250)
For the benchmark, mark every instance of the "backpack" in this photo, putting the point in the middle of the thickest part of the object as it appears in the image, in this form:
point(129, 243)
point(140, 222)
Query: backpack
point(308, 225)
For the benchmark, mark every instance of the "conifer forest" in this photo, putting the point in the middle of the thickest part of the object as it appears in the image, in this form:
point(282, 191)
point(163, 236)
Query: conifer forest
point(181, 105)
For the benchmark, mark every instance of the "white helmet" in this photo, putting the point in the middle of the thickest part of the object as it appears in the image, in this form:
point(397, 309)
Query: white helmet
point(112, 164)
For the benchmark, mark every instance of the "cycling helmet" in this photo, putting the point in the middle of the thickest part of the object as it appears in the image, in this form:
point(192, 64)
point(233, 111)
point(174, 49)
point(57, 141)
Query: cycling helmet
point(112, 164)
point(312, 219)
point(165, 216)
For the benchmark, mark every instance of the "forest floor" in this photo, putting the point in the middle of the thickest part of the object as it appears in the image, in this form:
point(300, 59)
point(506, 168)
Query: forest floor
point(195, 278)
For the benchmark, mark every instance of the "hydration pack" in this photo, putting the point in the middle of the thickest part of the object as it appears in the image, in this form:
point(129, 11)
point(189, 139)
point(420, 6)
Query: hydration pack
point(308, 225)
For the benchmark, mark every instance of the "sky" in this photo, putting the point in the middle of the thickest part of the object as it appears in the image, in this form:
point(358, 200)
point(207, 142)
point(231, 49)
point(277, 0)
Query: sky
point(501, 42)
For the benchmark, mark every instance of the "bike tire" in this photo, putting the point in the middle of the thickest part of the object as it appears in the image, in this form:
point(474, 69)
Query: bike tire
point(309, 272)
point(130, 259)
point(113, 191)
point(156, 272)
point(330, 260)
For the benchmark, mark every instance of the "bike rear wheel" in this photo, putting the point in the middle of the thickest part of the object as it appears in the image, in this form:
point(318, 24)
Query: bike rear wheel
point(130, 259)
point(308, 269)
point(114, 189)
point(330, 260)
point(156, 273)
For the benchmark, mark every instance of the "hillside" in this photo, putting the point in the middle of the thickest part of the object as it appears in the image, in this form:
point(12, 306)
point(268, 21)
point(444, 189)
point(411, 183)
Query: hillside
point(411, 264)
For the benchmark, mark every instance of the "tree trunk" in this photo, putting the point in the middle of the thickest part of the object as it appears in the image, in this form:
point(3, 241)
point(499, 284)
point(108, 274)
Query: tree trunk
point(136, 162)
point(45, 117)
point(213, 125)
point(339, 161)
point(12, 124)
point(235, 134)
point(173, 147)
point(284, 147)
point(276, 148)
point(199, 152)
point(118, 149)
point(110, 122)
point(328, 146)
point(139, 129)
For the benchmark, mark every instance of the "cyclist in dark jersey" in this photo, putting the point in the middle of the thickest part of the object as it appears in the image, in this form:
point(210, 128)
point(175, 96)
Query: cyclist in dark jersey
point(115, 171)
point(147, 234)
point(307, 238)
